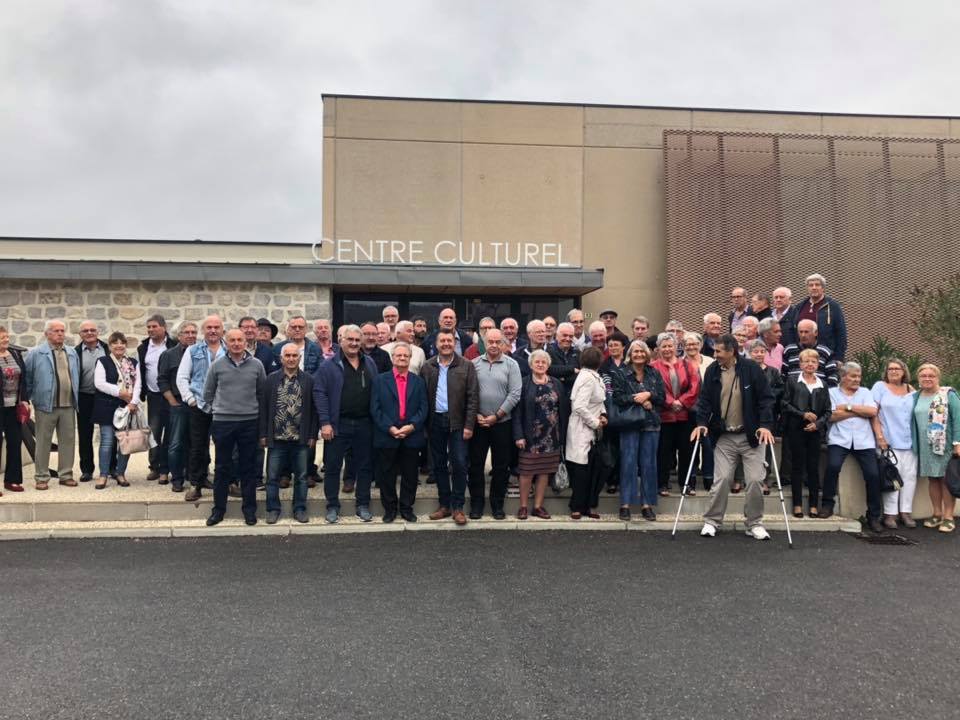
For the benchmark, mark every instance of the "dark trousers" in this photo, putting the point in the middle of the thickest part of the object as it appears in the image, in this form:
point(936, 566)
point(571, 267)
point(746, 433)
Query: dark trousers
point(178, 433)
point(158, 417)
point(498, 441)
point(12, 444)
point(448, 446)
point(85, 433)
point(805, 448)
point(199, 446)
point(242, 435)
point(356, 435)
point(392, 461)
point(585, 482)
point(675, 448)
point(867, 459)
point(287, 458)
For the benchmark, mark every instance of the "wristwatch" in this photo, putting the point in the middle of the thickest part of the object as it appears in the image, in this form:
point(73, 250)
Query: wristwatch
point(848, 407)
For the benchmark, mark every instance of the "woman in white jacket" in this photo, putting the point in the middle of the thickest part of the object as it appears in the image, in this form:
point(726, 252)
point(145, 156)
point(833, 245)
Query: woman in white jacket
point(587, 418)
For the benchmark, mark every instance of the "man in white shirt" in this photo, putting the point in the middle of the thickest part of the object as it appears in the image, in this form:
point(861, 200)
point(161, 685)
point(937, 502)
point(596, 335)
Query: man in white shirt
point(149, 351)
point(404, 330)
point(580, 338)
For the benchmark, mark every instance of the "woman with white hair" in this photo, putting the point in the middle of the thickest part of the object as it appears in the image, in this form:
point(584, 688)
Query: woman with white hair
point(851, 432)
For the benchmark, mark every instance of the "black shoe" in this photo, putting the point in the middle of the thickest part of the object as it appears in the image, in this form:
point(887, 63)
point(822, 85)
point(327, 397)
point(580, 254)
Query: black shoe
point(214, 519)
point(176, 487)
point(826, 512)
point(261, 485)
point(408, 516)
point(250, 519)
point(498, 514)
point(625, 513)
point(86, 477)
point(648, 514)
point(206, 484)
point(389, 516)
point(875, 525)
point(431, 480)
point(475, 513)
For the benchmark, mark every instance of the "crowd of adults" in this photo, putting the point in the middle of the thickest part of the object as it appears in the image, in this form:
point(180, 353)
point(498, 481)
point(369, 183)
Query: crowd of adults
point(621, 411)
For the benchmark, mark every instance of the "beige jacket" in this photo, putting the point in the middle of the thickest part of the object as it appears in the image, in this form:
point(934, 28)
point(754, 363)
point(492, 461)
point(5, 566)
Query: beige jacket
point(586, 405)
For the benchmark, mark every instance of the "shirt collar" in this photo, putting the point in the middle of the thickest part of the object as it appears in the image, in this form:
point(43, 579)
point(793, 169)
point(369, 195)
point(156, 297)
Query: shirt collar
point(397, 375)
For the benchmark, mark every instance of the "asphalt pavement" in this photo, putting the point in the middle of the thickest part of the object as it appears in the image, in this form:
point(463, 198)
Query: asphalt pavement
point(479, 625)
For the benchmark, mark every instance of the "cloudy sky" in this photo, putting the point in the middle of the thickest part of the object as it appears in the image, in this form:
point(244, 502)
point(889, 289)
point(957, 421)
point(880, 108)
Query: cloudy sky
point(203, 119)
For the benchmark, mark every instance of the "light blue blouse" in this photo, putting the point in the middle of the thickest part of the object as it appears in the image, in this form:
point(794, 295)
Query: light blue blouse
point(853, 433)
point(896, 412)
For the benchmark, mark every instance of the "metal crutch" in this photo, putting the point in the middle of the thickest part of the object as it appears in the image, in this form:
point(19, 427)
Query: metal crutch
point(686, 483)
point(783, 506)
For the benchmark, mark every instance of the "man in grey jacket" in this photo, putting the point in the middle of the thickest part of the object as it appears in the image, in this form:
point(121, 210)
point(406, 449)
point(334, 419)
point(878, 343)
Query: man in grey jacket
point(234, 389)
point(499, 382)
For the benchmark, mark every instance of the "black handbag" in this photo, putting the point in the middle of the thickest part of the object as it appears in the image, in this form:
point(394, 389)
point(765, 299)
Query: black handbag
point(631, 417)
point(890, 480)
point(952, 476)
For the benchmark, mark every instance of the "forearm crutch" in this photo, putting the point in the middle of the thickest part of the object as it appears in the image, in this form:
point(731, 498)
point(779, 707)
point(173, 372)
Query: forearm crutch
point(783, 505)
point(686, 483)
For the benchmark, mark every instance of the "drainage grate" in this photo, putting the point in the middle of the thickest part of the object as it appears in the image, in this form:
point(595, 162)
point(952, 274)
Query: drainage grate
point(885, 539)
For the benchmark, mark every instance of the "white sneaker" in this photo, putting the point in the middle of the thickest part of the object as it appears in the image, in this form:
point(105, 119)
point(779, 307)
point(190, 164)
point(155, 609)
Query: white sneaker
point(758, 532)
point(708, 530)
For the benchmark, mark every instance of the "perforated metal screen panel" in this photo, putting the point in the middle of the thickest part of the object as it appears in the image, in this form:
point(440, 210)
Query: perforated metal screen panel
point(875, 216)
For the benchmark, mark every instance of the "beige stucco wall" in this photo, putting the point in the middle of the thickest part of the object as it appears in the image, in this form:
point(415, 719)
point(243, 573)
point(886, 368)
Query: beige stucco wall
point(588, 177)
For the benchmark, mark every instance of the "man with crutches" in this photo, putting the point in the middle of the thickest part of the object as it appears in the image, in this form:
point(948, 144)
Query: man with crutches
point(735, 408)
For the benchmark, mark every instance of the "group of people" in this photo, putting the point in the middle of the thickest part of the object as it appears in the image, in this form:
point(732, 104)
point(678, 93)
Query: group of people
point(608, 409)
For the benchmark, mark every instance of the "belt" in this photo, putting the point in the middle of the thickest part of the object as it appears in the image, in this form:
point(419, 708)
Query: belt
point(737, 429)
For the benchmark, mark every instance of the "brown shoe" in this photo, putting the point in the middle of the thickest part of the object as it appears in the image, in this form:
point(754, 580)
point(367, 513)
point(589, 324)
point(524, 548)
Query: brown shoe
point(284, 482)
point(907, 520)
point(193, 494)
point(539, 512)
point(153, 475)
point(441, 512)
point(69, 482)
point(459, 518)
point(43, 485)
point(890, 522)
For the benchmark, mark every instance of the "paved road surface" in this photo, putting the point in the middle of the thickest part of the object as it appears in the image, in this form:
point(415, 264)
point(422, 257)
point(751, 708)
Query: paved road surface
point(479, 625)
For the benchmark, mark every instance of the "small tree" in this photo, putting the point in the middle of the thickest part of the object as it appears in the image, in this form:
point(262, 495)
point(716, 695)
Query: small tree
point(937, 318)
point(874, 360)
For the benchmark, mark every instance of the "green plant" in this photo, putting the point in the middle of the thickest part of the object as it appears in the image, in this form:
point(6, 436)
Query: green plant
point(874, 360)
point(938, 320)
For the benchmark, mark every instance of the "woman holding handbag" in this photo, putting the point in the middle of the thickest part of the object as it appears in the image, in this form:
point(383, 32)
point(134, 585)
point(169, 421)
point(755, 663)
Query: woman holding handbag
point(587, 419)
point(539, 430)
point(638, 390)
point(936, 436)
point(117, 381)
point(891, 426)
point(14, 411)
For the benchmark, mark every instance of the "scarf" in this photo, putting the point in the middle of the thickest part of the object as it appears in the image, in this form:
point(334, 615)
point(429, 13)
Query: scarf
point(937, 420)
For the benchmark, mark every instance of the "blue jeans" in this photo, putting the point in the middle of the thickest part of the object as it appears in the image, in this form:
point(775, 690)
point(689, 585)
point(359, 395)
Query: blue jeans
point(356, 435)
point(242, 435)
point(109, 450)
point(638, 457)
point(448, 445)
point(178, 432)
point(287, 456)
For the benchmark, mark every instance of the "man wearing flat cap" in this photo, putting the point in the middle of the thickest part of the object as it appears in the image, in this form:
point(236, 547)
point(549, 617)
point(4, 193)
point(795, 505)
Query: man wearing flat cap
point(609, 318)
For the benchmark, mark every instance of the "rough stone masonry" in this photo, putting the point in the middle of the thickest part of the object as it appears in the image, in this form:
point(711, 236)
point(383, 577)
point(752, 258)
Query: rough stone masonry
point(25, 305)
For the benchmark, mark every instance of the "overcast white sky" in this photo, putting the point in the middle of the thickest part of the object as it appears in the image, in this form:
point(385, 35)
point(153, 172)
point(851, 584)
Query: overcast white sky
point(203, 119)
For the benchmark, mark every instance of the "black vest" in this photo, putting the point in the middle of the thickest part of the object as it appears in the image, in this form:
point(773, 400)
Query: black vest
point(105, 405)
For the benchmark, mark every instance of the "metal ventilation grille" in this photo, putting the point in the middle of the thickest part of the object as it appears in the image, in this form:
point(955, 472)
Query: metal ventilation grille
point(875, 216)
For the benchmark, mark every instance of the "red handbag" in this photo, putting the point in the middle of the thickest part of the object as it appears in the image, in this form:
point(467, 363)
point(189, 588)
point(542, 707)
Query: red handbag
point(23, 413)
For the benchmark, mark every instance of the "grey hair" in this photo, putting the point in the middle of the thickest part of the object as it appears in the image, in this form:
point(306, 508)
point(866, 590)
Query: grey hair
point(48, 325)
point(755, 343)
point(540, 354)
point(184, 324)
point(574, 310)
point(533, 323)
point(349, 328)
point(400, 344)
point(766, 325)
point(664, 336)
point(816, 276)
point(596, 325)
point(565, 326)
point(674, 325)
point(693, 336)
point(404, 324)
point(847, 367)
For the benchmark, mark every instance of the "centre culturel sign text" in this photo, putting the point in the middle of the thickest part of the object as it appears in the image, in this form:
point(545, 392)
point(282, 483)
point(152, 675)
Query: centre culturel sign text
point(445, 252)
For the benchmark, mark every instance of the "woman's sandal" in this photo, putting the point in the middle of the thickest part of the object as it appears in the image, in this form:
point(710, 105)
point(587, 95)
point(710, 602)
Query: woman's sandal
point(948, 526)
point(932, 522)
point(814, 513)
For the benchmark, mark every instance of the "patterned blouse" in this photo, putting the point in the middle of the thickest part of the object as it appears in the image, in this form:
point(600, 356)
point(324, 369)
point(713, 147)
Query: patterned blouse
point(286, 420)
point(10, 372)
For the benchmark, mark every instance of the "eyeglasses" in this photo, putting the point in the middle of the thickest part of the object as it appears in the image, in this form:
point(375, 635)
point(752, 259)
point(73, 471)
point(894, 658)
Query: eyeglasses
point(89, 330)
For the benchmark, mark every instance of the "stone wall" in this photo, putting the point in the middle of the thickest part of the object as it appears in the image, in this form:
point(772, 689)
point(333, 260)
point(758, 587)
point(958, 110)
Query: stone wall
point(25, 305)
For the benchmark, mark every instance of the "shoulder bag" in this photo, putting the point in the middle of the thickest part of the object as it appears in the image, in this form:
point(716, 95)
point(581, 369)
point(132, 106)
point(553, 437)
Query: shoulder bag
point(890, 479)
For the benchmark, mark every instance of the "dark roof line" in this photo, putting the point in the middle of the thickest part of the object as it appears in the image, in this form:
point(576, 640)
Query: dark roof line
point(639, 107)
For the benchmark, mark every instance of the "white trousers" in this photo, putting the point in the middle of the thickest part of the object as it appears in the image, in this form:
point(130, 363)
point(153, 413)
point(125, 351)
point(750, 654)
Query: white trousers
point(902, 500)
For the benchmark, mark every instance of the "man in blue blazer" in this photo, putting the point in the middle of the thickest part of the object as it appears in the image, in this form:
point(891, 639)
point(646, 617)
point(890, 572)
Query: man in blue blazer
point(398, 406)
